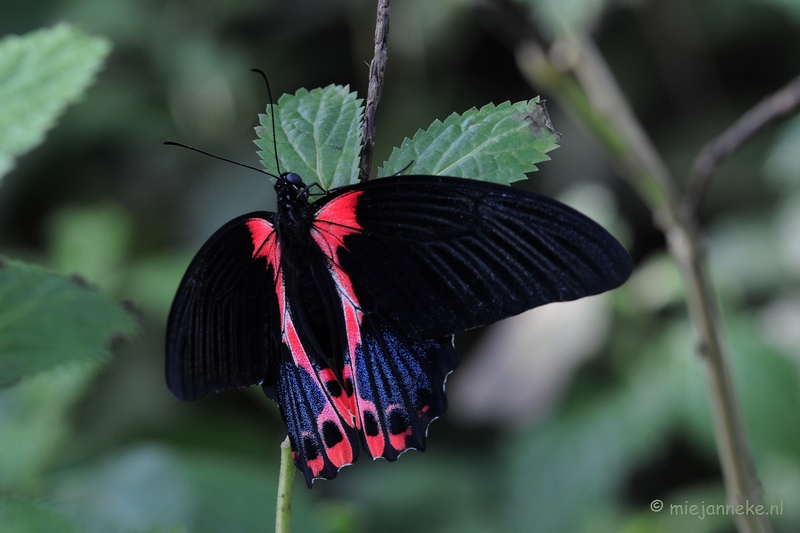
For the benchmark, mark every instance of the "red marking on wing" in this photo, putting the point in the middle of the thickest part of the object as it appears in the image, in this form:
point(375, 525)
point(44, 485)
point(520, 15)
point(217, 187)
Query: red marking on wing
point(348, 377)
point(316, 465)
point(265, 244)
point(376, 444)
point(341, 401)
point(342, 453)
point(398, 441)
point(335, 221)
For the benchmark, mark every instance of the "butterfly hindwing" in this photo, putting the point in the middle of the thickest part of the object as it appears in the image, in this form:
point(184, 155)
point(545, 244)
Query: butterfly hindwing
point(322, 440)
point(396, 384)
point(441, 255)
point(398, 387)
point(221, 328)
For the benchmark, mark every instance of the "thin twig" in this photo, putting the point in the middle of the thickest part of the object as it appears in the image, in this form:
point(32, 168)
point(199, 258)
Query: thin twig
point(713, 154)
point(283, 513)
point(376, 69)
point(597, 102)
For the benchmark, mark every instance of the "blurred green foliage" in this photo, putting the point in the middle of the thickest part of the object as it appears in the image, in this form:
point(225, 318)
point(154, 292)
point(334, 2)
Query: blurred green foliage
point(48, 323)
point(39, 74)
point(109, 450)
point(23, 517)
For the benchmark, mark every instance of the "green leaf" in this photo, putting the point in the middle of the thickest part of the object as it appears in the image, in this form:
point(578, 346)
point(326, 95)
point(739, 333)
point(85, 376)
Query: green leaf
point(496, 143)
point(47, 320)
point(21, 516)
point(40, 74)
point(318, 135)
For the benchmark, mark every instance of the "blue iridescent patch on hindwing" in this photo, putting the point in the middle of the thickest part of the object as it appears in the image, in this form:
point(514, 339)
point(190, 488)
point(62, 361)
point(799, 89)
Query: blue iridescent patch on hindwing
point(404, 380)
point(302, 403)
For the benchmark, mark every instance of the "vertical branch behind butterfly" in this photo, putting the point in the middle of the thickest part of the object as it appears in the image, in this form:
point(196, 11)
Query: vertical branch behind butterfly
point(376, 69)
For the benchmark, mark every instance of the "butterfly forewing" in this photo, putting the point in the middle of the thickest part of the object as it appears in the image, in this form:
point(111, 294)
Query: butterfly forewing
point(223, 325)
point(441, 255)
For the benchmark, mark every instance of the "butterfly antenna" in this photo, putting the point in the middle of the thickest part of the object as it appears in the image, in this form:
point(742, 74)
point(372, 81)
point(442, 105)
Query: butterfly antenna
point(272, 115)
point(405, 168)
point(171, 143)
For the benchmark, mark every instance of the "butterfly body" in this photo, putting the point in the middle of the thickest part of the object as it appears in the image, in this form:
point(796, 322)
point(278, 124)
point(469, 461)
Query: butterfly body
point(343, 309)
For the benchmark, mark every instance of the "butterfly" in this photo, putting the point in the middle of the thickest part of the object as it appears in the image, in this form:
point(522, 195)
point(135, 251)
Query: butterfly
point(343, 309)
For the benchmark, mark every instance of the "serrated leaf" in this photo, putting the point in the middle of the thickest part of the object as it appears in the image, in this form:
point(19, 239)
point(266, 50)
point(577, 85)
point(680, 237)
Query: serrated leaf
point(318, 135)
point(47, 320)
point(40, 74)
point(22, 516)
point(495, 143)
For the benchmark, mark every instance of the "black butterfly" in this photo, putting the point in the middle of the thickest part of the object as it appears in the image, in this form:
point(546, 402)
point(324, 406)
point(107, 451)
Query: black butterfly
point(343, 309)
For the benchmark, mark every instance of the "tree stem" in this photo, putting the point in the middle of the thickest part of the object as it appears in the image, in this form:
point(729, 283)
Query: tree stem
point(775, 106)
point(376, 70)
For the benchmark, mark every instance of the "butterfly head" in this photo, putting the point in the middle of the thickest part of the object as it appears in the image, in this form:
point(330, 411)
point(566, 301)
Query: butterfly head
point(294, 179)
point(289, 188)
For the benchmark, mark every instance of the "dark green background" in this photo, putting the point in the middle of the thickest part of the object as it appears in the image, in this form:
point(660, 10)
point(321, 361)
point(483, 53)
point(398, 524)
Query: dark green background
point(103, 197)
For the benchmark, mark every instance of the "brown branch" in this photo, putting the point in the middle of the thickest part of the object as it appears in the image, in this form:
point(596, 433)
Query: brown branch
point(585, 86)
point(376, 69)
point(713, 154)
